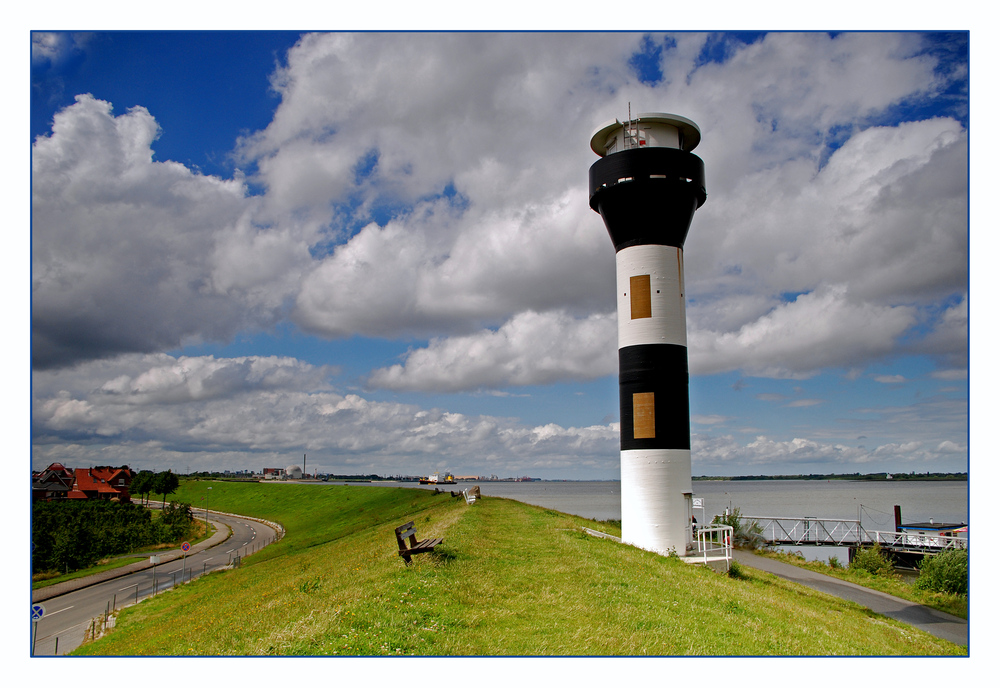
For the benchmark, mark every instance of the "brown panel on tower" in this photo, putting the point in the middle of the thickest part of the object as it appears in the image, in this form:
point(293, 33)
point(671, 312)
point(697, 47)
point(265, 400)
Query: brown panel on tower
point(642, 307)
point(643, 416)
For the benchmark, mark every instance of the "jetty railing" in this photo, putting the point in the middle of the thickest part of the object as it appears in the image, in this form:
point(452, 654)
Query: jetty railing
point(922, 543)
point(809, 530)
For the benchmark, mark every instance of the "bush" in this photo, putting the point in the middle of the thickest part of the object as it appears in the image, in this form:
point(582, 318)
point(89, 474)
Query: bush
point(873, 560)
point(745, 535)
point(834, 563)
point(71, 534)
point(945, 572)
point(736, 571)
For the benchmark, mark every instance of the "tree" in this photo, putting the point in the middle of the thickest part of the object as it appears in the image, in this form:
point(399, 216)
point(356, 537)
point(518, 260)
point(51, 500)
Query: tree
point(165, 483)
point(142, 483)
point(176, 520)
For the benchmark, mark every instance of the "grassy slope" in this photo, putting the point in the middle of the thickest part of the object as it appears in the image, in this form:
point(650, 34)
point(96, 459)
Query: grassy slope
point(510, 579)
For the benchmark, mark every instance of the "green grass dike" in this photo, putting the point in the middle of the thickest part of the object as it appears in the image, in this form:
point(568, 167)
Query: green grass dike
point(510, 579)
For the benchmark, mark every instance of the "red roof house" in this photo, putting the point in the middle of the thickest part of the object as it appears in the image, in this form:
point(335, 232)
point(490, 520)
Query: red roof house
point(101, 482)
point(54, 482)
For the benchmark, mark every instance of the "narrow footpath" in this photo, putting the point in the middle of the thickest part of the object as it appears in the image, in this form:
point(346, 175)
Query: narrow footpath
point(937, 623)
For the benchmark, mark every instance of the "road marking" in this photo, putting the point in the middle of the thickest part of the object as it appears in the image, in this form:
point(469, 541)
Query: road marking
point(66, 629)
point(61, 610)
point(128, 587)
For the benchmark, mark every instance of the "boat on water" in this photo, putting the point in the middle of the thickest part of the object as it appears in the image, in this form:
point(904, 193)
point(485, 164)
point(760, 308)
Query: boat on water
point(436, 479)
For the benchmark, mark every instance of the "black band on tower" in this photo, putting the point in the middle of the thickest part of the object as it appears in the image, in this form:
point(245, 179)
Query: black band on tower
point(659, 370)
point(648, 195)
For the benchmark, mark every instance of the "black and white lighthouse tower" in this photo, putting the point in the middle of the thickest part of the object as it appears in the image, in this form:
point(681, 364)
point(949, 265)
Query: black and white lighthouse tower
point(647, 186)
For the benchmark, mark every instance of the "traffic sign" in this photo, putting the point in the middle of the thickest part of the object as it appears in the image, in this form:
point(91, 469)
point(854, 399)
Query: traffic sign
point(37, 611)
point(185, 547)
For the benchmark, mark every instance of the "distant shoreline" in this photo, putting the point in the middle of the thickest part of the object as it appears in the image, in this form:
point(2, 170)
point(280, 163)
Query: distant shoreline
point(856, 477)
point(851, 477)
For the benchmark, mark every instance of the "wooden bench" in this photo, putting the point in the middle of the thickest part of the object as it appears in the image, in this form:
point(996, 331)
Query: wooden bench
point(408, 531)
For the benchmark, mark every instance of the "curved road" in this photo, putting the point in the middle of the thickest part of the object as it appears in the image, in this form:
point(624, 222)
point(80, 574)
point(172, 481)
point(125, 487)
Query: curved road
point(71, 607)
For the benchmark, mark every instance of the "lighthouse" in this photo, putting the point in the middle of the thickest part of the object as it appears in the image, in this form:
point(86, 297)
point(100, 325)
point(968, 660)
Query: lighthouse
point(647, 186)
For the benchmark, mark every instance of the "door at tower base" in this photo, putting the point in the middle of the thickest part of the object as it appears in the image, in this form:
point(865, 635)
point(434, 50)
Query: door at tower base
point(656, 484)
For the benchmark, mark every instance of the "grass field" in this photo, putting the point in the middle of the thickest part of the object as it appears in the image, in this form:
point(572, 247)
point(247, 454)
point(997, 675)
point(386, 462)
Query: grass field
point(510, 579)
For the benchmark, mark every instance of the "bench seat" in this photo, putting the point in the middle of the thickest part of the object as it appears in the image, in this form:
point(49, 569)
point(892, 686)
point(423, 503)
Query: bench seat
point(406, 538)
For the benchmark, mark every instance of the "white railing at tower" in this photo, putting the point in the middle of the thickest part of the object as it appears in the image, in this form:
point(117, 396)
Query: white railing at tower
point(715, 543)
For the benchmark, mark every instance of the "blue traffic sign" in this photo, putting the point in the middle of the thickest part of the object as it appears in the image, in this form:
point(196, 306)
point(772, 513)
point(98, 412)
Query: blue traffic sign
point(37, 611)
point(185, 547)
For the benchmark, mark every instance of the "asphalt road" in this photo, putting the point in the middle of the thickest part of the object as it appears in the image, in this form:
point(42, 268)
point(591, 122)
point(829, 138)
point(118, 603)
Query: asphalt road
point(939, 624)
point(72, 607)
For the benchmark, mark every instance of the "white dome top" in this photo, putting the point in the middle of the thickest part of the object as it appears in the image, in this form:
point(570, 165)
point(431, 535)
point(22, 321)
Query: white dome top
point(659, 129)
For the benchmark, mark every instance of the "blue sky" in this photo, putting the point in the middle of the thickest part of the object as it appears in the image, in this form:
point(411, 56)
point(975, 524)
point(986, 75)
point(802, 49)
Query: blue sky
point(377, 249)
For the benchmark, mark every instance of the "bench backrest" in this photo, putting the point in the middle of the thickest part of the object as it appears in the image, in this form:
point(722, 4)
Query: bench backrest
point(407, 530)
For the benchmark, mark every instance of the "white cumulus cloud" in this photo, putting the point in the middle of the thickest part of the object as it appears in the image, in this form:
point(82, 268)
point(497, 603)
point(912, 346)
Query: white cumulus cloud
point(530, 349)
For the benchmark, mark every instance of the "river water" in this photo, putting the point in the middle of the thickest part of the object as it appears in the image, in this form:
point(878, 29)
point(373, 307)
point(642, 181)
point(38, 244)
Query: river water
point(873, 502)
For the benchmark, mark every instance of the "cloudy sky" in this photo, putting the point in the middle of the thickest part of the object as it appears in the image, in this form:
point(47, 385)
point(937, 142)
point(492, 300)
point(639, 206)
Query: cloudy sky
point(376, 249)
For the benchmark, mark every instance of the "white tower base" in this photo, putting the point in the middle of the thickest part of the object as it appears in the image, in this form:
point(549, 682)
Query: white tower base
point(656, 499)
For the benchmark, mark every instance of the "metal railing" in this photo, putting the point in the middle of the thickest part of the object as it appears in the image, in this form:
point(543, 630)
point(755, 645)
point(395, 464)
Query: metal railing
point(801, 531)
point(715, 543)
point(922, 543)
point(845, 533)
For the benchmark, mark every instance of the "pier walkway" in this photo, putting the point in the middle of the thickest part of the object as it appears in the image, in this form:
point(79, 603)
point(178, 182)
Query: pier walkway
point(813, 531)
point(937, 623)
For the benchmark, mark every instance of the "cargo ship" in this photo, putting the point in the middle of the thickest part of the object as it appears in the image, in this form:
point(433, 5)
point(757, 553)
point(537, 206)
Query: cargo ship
point(436, 479)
